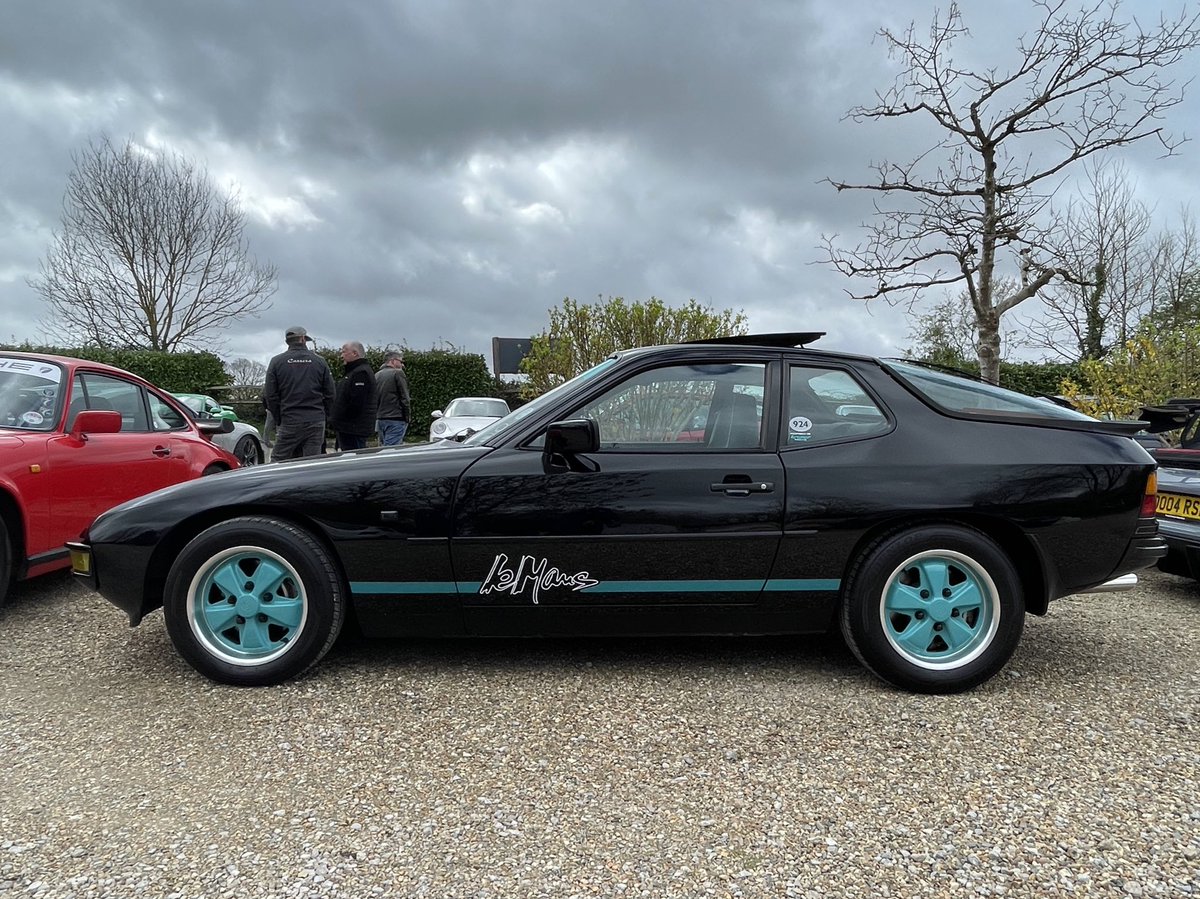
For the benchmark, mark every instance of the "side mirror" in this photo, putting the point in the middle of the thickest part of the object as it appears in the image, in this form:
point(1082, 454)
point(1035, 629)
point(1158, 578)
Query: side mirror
point(214, 425)
point(568, 438)
point(436, 413)
point(95, 421)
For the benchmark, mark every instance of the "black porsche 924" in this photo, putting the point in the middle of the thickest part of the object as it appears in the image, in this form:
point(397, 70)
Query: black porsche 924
point(922, 513)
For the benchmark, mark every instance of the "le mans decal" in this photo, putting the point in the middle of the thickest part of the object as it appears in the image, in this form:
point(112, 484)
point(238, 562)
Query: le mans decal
point(531, 574)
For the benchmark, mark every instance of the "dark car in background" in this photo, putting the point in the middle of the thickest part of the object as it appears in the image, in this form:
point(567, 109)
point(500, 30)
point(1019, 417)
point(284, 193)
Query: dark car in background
point(77, 438)
point(922, 514)
point(1179, 519)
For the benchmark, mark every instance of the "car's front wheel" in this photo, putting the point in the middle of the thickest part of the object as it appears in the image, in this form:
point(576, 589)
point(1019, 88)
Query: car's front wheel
point(248, 451)
point(253, 601)
point(935, 609)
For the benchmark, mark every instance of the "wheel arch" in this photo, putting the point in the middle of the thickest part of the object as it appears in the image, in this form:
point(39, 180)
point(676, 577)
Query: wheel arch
point(1023, 552)
point(173, 542)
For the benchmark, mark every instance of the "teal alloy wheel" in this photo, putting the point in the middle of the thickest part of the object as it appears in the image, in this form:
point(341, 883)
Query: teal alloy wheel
point(940, 610)
point(933, 608)
point(246, 605)
point(254, 601)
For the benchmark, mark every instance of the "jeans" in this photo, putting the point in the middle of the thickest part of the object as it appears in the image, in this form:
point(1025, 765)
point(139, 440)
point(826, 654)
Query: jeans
point(391, 431)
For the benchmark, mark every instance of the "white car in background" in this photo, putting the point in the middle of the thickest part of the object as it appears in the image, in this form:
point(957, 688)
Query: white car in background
point(244, 441)
point(466, 415)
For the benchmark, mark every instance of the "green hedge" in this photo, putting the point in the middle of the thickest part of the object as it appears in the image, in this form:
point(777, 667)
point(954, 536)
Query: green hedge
point(173, 372)
point(1031, 377)
point(434, 378)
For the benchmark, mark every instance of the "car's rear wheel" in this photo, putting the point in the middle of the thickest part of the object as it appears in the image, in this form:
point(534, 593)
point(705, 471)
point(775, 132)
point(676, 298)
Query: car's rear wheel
point(247, 451)
point(253, 601)
point(6, 562)
point(935, 609)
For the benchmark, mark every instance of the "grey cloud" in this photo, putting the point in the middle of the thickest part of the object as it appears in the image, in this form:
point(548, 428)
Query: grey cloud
point(700, 122)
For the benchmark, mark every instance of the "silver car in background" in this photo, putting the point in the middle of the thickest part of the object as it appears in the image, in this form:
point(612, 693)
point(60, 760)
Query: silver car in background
point(244, 441)
point(466, 415)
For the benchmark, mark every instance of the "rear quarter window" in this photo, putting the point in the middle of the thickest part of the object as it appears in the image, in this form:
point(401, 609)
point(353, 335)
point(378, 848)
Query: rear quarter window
point(967, 397)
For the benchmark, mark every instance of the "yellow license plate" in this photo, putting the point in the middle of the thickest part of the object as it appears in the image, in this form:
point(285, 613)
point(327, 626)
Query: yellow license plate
point(81, 562)
point(1179, 506)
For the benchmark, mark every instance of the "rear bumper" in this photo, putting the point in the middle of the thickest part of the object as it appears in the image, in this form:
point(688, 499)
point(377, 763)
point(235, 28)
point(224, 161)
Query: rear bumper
point(1146, 548)
point(1183, 547)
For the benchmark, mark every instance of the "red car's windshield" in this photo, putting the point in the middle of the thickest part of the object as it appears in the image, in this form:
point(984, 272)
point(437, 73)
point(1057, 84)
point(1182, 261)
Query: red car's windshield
point(30, 393)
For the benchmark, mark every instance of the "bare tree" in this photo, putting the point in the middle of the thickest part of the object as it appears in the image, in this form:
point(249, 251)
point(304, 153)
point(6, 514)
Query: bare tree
point(247, 378)
point(1174, 282)
point(150, 254)
point(1084, 83)
point(1106, 239)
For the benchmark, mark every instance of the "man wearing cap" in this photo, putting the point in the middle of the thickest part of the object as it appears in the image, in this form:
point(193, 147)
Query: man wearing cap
point(299, 396)
point(391, 387)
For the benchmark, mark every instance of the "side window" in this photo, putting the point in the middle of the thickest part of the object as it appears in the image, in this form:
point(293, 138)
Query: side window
point(826, 405)
point(682, 408)
point(165, 417)
point(103, 392)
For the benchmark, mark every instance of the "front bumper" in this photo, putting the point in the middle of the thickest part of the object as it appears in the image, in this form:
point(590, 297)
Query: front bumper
point(82, 564)
point(118, 573)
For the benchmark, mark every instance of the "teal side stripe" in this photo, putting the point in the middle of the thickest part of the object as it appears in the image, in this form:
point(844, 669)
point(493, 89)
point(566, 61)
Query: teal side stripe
point(739, 586)
point(802, 584)
point(403, 587)
point(752, 585)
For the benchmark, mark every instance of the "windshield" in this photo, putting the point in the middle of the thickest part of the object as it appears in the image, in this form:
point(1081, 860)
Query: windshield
point(971, 397)
point(191, 400)
point(30, 390)
point(494, 431)
point(470, 407)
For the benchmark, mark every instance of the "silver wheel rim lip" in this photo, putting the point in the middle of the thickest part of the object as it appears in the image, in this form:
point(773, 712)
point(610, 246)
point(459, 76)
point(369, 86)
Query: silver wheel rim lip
point(992, 598)
point(204, 639)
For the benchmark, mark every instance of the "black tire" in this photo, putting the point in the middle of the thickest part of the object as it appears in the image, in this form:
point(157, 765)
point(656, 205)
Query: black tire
point(933, 609)
point(253, 602)
point(213, 469)
point(6, 562)
point(248, 451)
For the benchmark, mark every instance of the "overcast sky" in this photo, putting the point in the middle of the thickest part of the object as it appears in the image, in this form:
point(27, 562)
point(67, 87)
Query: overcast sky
point(428, 173)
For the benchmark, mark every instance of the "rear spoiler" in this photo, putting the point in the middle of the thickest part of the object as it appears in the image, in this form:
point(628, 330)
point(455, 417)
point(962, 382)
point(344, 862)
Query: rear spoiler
point(1171, 416)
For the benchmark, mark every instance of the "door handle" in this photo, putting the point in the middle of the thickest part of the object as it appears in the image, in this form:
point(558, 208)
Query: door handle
point(161, 451)
point(742, 488)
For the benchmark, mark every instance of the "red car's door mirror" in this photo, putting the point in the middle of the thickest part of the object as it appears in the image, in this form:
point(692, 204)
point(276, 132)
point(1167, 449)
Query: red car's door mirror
point(95, 421)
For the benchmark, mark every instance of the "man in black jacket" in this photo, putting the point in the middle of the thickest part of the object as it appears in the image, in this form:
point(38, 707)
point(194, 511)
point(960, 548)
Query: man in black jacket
point(354, 406)
point(299, 395)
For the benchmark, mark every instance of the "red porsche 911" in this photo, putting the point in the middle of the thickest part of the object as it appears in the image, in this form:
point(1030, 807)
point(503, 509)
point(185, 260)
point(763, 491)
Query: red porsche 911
point(76, 439)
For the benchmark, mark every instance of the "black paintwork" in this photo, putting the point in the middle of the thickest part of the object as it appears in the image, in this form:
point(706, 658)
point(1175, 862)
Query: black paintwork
point(501, 538)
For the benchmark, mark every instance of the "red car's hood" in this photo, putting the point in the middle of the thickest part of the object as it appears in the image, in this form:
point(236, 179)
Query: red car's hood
point(10, 441)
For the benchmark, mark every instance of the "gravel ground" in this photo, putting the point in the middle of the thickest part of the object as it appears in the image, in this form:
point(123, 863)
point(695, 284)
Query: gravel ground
point(772, 768)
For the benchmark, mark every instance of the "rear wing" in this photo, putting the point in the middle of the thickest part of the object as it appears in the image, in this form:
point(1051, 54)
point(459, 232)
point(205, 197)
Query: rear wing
point(1173, 415)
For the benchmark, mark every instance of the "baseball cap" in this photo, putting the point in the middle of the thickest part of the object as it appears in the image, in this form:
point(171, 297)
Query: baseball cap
point(295, 332)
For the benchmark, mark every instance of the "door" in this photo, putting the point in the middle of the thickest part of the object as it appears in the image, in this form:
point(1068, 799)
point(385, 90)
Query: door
point(655, 532)
point(102, 470)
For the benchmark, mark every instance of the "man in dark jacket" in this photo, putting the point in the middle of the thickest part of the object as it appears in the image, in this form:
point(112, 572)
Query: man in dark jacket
point(353, 418)
point(299, 395)
point(394, 402)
